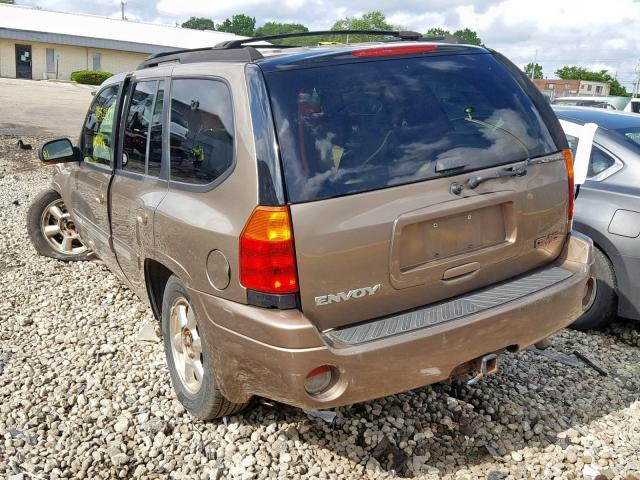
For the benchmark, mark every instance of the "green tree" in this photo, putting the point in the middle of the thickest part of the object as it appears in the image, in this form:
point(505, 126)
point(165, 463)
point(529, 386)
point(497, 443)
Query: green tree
point(276, 28)
point(580, 73)
point(198, 23)
point(369, 21)
point(468, 36)
point(437, 32)
point(240, 24)
point(534, 71)
point(11, 2)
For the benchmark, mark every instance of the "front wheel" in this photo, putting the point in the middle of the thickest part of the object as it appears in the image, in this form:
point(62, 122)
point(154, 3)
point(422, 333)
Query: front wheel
point(51, 229)
point(604, 303)
point(189, 357)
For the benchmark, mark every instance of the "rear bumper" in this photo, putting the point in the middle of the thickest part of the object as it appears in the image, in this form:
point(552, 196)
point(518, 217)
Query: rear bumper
point(270, 352)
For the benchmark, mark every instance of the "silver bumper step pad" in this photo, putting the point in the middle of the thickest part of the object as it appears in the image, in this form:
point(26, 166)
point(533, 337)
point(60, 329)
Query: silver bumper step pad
point(448, 310)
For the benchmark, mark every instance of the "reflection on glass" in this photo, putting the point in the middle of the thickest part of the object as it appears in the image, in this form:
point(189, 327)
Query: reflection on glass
point(355, 127)
point(97, 134)
point(57, 149)
point(136, 131)
point(201, 130)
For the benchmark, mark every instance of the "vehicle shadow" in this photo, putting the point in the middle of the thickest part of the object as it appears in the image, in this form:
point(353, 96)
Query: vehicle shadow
point(442, 430)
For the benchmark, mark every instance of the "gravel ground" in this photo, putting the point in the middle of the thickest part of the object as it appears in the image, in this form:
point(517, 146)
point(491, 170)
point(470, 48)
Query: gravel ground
point(82, 397)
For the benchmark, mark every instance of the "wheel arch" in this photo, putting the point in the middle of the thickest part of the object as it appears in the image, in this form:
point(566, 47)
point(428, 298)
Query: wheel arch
point(156, 276)
point(603, 244)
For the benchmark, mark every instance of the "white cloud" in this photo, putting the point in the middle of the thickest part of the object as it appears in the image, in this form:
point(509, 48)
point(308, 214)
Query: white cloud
point(562, 32)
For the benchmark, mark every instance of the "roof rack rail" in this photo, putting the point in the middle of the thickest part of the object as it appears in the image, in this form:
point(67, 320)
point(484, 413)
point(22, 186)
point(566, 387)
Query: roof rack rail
point(233, 44)
point(207, 54)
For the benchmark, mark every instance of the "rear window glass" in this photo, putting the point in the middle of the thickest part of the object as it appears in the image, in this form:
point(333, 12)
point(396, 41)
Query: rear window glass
point(363, 126)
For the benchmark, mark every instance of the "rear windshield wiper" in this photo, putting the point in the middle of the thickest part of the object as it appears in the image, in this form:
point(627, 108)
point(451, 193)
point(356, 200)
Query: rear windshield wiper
point(519, 170)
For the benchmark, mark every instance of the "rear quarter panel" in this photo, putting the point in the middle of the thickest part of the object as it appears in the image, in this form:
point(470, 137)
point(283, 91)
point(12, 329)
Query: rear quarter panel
point(595, 207)
point(188, 224)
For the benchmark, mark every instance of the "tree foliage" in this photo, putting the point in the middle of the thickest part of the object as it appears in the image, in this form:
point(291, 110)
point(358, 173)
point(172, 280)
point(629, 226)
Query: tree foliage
point(534, 71)
point(11, 2)
point(90, 77)
point(374, 20)
point(198, 23)
point(276, 28)
point(240, 24)
point(466, 35)
point(574, 72)
point(437, 32)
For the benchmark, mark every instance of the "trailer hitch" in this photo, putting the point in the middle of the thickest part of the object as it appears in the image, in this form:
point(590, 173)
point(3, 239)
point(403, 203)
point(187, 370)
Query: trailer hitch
point(488, 366)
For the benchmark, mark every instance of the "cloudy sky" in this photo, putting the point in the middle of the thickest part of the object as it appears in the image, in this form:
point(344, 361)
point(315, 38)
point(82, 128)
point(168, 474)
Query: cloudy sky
point(556, 32)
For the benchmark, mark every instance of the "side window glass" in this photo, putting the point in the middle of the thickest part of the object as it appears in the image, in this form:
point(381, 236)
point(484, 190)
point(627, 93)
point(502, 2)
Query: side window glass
point(599, 162)
point(573, 144)
point(201, 130)
point(97, 132)
point(155, 134)
point(136, 130)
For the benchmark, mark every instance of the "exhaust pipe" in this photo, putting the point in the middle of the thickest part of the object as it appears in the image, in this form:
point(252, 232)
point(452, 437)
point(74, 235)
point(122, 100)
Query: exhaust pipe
point(488, 366)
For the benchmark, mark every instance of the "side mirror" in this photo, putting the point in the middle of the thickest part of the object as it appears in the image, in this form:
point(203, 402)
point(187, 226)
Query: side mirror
point(59, 151)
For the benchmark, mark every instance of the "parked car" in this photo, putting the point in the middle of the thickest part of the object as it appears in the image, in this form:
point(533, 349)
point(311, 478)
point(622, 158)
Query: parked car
point(608, 211)
point(624, 104)
point(325, 225)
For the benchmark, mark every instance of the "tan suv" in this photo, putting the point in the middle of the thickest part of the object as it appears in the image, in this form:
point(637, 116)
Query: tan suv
point(325, 225)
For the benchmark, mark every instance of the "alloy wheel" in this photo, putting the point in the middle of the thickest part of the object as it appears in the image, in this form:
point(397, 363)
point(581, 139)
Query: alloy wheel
point(60, 231)
point(186, 345)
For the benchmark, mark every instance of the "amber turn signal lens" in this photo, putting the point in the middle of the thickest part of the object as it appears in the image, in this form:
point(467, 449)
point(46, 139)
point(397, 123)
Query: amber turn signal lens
point(267, 254)
point(568, 163)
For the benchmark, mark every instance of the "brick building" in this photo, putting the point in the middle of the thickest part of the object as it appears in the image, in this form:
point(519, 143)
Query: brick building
point(569, 88)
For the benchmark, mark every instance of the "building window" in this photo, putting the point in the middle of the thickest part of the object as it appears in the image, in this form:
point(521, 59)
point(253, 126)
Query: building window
point(551, 86)
point(599, 90)
point(97, 62)
point(567, 86)
point(589, 88)
point(51, 63)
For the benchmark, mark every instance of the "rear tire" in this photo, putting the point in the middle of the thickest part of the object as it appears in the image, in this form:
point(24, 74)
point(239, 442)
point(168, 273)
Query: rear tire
point(51, 229)
point(189, 357)
point(605, 306)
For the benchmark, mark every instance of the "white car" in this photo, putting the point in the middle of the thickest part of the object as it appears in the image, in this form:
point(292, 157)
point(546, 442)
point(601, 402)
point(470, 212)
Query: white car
point(625, 104)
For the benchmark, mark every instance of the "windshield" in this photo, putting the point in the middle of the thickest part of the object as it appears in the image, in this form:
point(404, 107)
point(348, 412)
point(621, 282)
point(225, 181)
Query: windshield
point(355, 127)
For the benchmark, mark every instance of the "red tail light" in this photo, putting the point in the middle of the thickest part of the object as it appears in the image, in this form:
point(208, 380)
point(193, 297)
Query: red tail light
point(267, 254)
point(393, 50)
point(568, 162)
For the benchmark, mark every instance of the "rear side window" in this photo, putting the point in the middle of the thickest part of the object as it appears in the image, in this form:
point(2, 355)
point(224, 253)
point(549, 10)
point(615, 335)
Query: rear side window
point(355, 127)
point(201, 130)
point(155, 134)
point(599, 162)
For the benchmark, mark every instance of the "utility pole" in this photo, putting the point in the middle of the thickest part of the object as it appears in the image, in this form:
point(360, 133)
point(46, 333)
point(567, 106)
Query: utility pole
point(637, 82)
point(122, 4)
